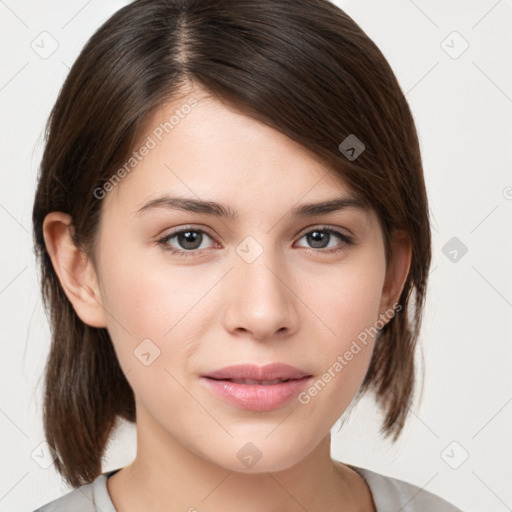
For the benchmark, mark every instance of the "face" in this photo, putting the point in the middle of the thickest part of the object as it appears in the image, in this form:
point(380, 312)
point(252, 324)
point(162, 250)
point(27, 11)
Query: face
point(190, 293)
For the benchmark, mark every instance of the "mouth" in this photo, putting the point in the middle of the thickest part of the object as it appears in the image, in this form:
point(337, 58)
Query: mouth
point(268, 373)
point(257, 388)
point(257, 382)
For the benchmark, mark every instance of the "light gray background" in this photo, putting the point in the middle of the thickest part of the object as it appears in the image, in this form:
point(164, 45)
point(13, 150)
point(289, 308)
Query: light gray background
point(462, 105)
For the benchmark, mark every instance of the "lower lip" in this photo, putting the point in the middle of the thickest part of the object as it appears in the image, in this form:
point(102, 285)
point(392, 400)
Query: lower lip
point(256, 397)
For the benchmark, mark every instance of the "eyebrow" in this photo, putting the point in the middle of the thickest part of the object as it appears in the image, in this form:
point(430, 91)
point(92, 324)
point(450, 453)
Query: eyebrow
point(221, 210)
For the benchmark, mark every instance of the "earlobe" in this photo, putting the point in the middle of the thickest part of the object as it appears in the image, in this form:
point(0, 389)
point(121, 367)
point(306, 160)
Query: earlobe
point(74, 269)
point(397, 271)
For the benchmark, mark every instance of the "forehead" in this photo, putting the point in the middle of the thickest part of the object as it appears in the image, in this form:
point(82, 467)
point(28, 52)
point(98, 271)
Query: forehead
point(199, 146)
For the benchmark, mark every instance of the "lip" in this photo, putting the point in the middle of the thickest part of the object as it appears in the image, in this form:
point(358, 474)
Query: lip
point(260, 394)
point(254, 372)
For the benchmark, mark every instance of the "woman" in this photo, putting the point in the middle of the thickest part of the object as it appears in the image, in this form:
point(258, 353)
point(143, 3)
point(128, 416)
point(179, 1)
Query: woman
point(231, 220)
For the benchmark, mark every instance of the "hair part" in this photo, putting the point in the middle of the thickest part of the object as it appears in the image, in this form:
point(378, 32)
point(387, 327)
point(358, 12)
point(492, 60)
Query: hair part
point(303, 67)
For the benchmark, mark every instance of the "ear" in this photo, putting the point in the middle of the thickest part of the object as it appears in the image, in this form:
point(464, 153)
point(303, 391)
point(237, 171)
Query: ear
point(74, 269)
point(397, 270)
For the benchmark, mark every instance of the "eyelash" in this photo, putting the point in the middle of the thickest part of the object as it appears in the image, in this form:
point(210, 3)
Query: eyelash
point(163, 242)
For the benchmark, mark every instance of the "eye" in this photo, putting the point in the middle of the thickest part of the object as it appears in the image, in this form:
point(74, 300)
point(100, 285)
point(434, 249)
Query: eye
point(321, 238)
point(188, 240)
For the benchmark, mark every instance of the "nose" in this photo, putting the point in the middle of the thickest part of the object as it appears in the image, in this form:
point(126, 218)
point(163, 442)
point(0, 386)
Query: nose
point(262, 300)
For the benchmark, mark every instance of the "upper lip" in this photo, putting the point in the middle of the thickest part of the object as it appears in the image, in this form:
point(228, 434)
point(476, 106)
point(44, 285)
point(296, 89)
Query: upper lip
point(271, 371)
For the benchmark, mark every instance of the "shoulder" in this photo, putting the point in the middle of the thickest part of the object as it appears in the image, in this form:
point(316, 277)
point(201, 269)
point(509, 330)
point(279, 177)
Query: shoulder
point(91, 497)
point(390, 494)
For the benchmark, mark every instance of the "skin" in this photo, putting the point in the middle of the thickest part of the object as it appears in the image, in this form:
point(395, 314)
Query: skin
point(294, 304)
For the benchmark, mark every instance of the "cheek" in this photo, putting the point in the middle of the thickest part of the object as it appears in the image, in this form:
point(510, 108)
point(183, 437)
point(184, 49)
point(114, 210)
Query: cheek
point(152, 332)
point(347, 301)
point(152, 300)
point(347, 298)
point(342, 357)
point(157, 309)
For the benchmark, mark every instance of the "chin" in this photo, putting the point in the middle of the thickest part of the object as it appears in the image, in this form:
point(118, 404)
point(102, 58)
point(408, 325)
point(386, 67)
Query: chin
point(259, 456)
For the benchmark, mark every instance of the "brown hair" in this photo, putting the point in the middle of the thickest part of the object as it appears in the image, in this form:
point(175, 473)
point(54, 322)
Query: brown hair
point(303, 67)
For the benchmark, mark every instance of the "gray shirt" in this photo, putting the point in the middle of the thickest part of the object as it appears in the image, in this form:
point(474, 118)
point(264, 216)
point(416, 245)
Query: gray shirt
point(389, 495)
